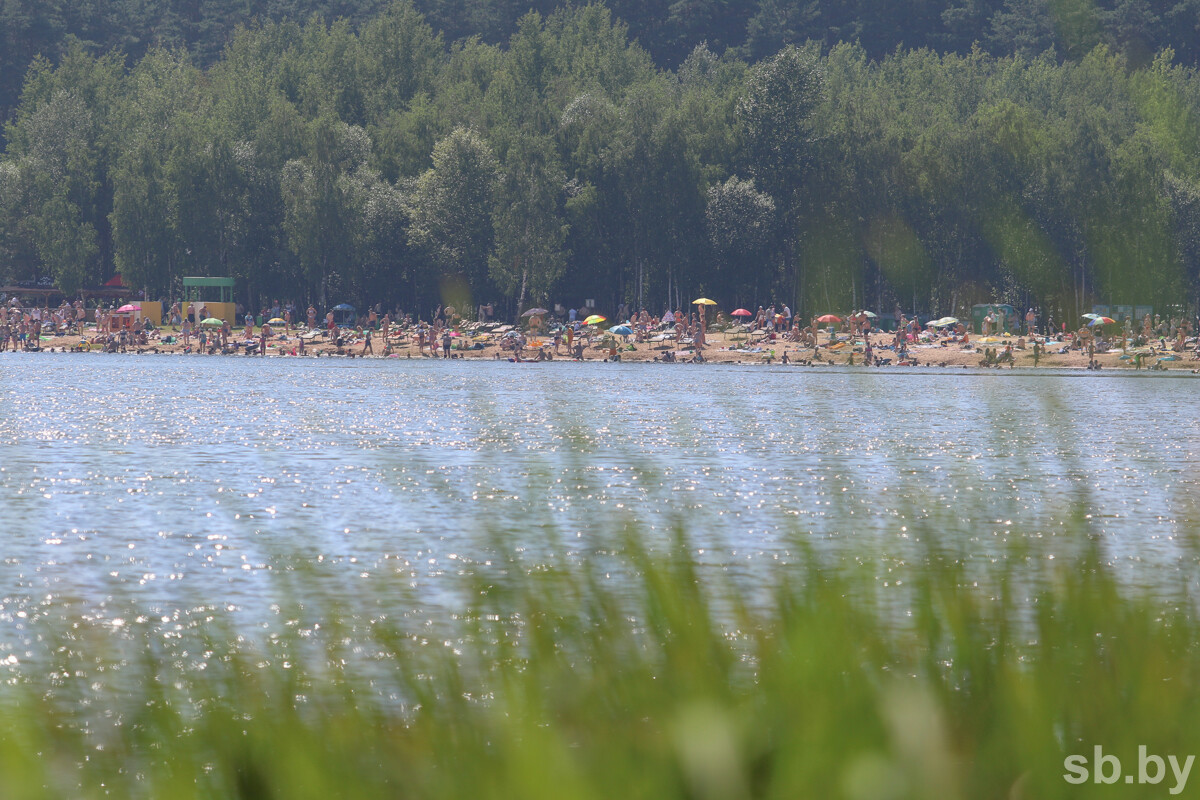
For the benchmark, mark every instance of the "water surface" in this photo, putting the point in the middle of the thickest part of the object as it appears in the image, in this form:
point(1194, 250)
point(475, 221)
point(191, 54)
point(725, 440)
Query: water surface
point(187, 485)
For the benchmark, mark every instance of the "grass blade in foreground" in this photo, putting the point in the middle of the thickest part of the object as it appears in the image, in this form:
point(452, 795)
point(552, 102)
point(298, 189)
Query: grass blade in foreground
point(562, 683)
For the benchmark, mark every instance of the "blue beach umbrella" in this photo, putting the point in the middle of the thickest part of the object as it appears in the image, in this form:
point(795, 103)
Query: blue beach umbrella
point(621, 330)
point(343, 313)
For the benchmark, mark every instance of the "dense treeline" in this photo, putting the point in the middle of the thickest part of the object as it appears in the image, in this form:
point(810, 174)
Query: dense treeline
point(327, 162)
point(667, 29)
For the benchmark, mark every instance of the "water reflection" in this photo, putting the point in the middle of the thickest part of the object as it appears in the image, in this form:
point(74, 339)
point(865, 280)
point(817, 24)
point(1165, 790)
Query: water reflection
point(191, 484)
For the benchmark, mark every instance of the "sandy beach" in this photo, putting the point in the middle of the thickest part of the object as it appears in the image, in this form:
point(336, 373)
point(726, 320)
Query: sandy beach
point(721, 349)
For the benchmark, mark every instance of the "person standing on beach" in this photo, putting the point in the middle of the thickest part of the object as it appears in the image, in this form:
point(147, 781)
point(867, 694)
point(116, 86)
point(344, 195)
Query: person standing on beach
point(312, 317)
point(367, 348)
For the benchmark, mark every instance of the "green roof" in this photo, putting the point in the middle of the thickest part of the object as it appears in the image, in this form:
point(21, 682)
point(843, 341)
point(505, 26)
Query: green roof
point(223, 282)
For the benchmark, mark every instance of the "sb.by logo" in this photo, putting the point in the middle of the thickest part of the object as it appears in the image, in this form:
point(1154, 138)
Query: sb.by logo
point(1106, 768)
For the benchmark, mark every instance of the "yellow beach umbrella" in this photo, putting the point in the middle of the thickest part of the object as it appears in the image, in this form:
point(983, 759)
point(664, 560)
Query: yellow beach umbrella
point(595, 319)
point(704, 301)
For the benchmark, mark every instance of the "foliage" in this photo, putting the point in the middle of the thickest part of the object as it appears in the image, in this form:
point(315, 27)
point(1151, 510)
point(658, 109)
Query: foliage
point(629, 673)
point(367, 158)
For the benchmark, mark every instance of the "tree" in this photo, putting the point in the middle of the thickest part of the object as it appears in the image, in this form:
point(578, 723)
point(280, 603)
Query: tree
point(776, 114)
point(398, 55)
point(779, 23)
point(58, 141)
point(451, 208)
point(529, 225)
point(320, 218)
point(65, 244)
point(1023, 28)
point(741, 229)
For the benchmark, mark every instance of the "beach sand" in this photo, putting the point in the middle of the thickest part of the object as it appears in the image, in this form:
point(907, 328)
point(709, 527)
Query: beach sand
point(720, 350)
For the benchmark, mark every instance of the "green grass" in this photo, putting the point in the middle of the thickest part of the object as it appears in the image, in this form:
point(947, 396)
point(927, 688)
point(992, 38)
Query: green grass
point(665, 681)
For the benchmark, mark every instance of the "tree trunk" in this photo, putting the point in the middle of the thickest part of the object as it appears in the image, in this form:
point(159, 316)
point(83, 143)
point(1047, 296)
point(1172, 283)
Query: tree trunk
point(524, 282)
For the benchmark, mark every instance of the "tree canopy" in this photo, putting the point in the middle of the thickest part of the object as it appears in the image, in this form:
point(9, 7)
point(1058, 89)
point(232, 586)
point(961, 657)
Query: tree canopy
point(379, 154)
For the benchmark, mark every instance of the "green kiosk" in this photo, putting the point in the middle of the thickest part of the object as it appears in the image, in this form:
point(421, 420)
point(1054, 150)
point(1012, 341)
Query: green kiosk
point(213, 294)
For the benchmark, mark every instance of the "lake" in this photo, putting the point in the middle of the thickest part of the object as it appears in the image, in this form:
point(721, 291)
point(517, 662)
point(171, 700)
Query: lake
point(182, 488)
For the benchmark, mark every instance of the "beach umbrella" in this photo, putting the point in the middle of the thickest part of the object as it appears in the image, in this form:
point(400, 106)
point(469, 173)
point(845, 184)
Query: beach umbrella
point(595, 319)
point(1091, 316)
point(343, 307)
point(621, 330)
point(829, 318)
point(128, 308)
point(276, 321)
point(1102, 321)
point(870, 314)
point(212, 322)
point(741, 312)
point(535, 312)
point(703, 301)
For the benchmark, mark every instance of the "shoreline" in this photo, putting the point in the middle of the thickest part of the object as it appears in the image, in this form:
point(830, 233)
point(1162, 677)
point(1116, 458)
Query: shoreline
point(720, 350)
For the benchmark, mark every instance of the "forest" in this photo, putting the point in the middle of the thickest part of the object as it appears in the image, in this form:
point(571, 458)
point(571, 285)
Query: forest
point(1040, 154)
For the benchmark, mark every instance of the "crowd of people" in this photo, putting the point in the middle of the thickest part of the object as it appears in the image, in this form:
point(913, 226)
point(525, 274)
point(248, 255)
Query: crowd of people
point(288, 328)
point(22, 327)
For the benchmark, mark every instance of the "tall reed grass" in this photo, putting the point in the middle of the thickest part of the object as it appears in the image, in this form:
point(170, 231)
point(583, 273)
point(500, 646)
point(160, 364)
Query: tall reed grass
point(565, 682)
